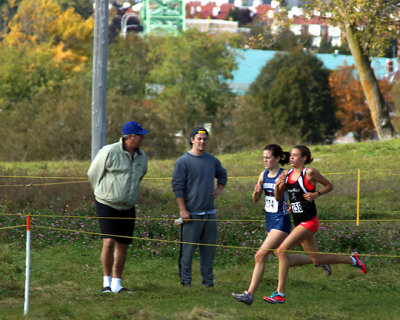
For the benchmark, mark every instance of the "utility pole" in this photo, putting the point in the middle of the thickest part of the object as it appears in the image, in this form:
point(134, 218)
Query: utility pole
point(99, 77)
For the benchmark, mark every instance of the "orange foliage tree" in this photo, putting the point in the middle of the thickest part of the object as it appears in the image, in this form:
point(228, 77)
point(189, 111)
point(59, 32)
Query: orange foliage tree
point(352, 108)
point(42, 22)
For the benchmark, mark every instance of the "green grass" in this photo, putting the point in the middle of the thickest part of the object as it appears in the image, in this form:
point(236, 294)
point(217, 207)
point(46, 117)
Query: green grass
point(66, 270)
point(378, 162)
point(66, 281)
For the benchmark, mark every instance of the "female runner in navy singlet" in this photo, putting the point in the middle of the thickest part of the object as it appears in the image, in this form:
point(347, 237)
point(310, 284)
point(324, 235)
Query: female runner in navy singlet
point(300, 184)
point(277, 218)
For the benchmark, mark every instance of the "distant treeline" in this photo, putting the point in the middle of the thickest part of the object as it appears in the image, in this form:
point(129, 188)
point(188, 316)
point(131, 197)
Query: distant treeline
point(168, 83)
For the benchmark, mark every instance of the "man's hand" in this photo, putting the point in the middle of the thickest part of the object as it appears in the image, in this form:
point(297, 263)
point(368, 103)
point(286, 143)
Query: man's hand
point(218, 191)
point(185, 216)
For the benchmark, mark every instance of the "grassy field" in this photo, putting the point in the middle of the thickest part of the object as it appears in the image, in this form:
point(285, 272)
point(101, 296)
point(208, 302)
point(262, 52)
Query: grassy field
point(66, 270)
point(65, 285)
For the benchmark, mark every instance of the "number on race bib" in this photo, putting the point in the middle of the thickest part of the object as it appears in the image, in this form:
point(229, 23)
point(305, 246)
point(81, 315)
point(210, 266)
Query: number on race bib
point(296, 207)
point(271, 205)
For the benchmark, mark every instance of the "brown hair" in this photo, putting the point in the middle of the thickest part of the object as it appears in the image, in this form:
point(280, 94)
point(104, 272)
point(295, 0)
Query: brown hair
point(278, 152)
point(305, 152)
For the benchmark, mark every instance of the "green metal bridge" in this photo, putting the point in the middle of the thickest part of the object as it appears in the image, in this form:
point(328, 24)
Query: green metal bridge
point(159, 16)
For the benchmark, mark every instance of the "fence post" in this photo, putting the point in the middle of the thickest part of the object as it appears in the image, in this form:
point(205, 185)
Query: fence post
point(28, 260)
point(358, 199)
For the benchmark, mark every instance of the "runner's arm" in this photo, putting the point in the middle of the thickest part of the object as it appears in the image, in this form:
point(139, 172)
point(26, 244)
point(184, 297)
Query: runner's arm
point(256, 195)
point(314, 176)
point(280, 186)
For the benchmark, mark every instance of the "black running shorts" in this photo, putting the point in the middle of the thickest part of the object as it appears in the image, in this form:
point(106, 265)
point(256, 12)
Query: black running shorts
point(112, 228)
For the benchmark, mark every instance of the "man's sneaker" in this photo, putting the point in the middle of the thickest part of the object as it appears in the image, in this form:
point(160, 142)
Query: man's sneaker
point(275, 298)
point(326, 267)
point(122, 289)
point(244, 297)
point(106, 289)
point(359, 264)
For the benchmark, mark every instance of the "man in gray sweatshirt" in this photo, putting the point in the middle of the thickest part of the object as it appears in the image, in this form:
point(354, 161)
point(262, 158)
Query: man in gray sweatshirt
point(193, 183)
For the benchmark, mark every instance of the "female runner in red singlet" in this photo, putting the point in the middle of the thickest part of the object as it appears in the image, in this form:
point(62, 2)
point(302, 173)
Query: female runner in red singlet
point(277, 219)
point(300, 184)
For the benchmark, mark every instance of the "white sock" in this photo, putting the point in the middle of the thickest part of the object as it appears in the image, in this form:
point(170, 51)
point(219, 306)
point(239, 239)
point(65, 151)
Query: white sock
point(106, 281)
point(354, 260)
point(116, 284)
point(281, 294)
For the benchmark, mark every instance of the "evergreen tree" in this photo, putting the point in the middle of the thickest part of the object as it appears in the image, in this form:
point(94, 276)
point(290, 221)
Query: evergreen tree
point(294, 90)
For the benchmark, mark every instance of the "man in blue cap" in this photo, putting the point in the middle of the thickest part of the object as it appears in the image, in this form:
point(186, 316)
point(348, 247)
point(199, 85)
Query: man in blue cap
point(115, 175)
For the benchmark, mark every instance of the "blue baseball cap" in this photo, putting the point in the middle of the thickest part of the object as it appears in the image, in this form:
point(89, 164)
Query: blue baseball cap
point(133, 127)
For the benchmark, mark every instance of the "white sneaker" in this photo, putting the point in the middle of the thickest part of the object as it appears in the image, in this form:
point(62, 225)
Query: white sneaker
point(326, 267)
point(244, 297)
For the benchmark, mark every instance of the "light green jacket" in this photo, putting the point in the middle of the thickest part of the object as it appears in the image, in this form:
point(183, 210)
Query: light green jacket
point(115, 177)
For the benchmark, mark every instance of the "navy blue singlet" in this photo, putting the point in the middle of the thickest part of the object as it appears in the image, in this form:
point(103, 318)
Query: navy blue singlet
point(276, 214)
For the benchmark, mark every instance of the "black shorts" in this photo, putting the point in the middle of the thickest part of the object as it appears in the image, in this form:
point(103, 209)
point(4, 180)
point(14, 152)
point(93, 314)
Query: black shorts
point(112, 228)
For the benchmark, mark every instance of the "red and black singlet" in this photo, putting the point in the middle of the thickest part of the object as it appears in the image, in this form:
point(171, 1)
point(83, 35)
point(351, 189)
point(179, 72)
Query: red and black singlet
point(302, 210)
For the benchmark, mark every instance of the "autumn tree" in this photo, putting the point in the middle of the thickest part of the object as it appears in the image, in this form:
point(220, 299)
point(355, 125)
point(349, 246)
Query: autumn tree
point(396, 103)
point(396, 96)
point(352, 109)
point(8, 8)
point(83, 8)
point(25, 72)
point(369, 26)
point(42, 21)
point(44, 57)
point(42, 46)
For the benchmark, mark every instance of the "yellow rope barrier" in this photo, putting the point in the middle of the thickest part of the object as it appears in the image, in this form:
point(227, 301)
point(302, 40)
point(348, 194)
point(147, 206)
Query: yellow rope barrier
point(213, 245)
point(171, 219)
point(85, 179)
point(40, 184)
point(13, 227)
point(193, 243)
point(43, 177)
point(242, 177)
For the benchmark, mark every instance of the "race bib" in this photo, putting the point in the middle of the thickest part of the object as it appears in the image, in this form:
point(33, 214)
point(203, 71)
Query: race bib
point(296, 207)
point(271, 205)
